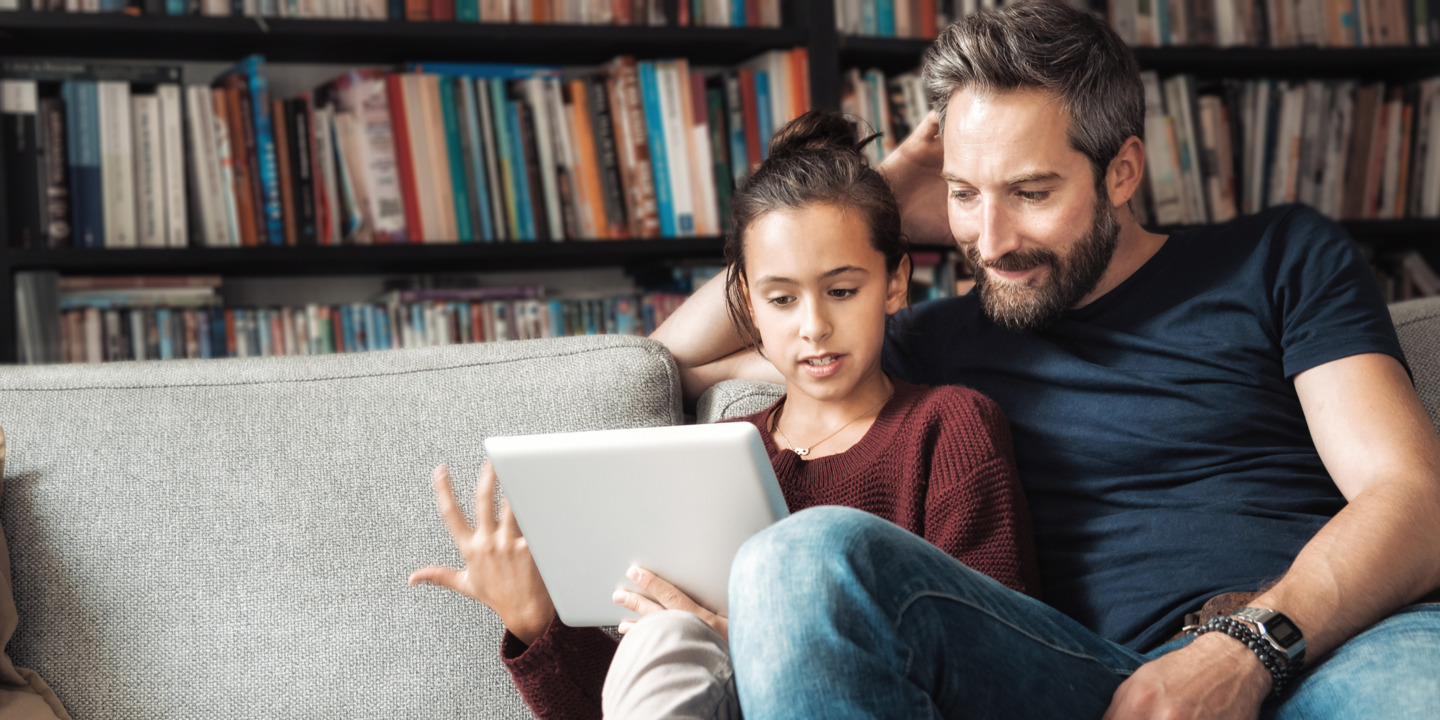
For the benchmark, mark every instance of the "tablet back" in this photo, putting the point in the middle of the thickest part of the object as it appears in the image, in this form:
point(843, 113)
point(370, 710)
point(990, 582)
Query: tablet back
point(678, 501)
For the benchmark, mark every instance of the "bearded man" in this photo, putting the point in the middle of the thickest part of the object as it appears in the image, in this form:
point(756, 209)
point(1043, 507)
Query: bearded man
point(1234, 486)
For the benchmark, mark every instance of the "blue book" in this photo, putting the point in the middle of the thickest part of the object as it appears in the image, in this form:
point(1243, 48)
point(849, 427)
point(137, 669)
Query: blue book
point(218, 346)
point(463, 310)
point(113, 5)
point(250, 68)
point(1162, 21)
point(262, 331)
point(500, 108)
point(461, 188)
point(347, 328)
point(762, 108)
point(467, 10)
point(167, 341)
point(885, 18)
point(503, 71)
point(557, 318)
point(417, 324)
point(739, 156)
point(655, 133)
point(174, 7)
point(395, 10)
point(737, 14)
point(519, 171)
point(82, 134)
point(470, 112)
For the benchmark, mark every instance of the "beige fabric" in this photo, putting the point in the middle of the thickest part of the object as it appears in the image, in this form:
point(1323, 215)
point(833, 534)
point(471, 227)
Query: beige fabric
point(23, 695)
point(671, 665)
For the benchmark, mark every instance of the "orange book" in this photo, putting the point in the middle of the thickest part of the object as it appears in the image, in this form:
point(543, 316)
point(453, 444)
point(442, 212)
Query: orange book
point(227, 109)
point(282, 153)
point(588, 167)
point(928, 21)
point(417, 10)
point(404, 162)
point(799, 81)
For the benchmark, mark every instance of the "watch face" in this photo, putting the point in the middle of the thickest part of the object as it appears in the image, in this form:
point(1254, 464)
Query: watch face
point(1283, 631)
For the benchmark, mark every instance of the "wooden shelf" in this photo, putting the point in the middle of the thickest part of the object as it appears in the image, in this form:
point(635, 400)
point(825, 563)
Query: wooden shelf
point(363, 259)
point(120, 36)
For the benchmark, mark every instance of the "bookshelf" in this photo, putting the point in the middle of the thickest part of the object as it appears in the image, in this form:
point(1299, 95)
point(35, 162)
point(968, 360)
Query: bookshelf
point(805, 23)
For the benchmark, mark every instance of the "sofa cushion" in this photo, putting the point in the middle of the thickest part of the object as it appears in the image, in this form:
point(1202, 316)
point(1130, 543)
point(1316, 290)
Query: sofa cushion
point(232, 538)
point(1417, 322)
point(23, 695)
point(736, 398)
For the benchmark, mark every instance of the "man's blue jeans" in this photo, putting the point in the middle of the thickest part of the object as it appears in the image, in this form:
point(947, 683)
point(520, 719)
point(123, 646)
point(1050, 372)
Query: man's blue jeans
point(838, 614)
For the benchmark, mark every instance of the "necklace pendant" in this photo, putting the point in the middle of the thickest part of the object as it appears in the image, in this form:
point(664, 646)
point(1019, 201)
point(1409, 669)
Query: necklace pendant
point(802, 452)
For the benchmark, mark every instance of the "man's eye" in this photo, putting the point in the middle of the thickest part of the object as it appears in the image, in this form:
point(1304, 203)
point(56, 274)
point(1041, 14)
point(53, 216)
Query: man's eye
point(1036, 196)
point(961, 195)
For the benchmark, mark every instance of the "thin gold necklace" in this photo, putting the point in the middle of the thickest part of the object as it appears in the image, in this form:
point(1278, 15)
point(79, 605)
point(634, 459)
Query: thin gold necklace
point(802, 452)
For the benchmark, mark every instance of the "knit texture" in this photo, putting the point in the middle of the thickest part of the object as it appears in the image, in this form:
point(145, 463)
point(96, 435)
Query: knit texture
point(937, 462)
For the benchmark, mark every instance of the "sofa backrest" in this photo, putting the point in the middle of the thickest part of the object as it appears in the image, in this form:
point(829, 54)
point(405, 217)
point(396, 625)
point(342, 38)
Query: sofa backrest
point(231, 539)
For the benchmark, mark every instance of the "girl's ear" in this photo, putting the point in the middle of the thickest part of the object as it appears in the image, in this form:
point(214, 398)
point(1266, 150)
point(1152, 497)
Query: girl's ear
point(897, 287)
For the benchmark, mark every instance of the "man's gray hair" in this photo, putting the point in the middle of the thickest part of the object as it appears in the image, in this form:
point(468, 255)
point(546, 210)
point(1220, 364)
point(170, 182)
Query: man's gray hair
point(1049, 46)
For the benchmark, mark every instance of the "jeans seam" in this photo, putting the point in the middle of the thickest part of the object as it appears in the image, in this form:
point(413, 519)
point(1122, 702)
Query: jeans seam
point(905, 607)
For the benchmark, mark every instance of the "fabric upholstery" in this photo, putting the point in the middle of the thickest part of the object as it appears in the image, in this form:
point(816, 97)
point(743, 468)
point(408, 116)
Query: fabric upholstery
point(736, 398)
point(1417, 322)
point(231, 538)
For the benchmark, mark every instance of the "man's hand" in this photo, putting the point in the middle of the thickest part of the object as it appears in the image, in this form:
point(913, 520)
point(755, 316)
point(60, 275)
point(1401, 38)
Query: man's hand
point(1214, 678)
point(913, 171)
point(499, 571)
point(666, 597)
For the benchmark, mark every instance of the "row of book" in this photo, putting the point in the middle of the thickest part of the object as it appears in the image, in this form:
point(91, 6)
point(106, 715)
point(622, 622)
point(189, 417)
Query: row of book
point(920, 19)
point(681, 13)
point(74, 319)
point(116, 157)
point(1353, 151)
point(1277, 23)
point(890, 106)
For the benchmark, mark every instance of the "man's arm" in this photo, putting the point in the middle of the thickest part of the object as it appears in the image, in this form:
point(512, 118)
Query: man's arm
point(1381, 552)
point(706, 346)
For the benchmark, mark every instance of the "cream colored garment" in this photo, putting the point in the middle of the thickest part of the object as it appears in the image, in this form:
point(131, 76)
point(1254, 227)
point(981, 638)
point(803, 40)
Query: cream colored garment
point(23, 695)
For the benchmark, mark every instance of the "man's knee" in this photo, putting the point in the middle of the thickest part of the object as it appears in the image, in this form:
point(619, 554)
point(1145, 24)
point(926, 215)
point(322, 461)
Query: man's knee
point(800, 545)
point(1388, 672)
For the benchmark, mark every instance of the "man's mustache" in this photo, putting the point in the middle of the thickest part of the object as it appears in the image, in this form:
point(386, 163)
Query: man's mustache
point(1017, 261)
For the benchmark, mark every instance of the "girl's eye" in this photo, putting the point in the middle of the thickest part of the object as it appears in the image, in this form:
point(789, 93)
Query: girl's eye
point(843, 293)
point(781, 301)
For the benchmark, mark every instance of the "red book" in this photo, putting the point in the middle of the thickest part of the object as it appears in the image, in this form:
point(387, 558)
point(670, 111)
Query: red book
point(417, 10)
point(623, 14)
point(442, 10)
point(404, 162)
point(752, 13)
point(477, 322)
point(229, 333)
point(749, 102)
point(928, 29)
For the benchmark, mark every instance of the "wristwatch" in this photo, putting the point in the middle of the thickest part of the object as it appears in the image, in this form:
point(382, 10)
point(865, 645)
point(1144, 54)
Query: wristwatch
point(1278, 631)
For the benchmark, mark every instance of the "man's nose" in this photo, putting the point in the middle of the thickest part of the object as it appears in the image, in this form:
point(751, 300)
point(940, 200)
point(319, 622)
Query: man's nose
point(998, 232)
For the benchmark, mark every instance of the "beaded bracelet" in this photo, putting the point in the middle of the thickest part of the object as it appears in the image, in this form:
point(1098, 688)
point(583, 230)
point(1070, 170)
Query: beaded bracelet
point(1275, 661)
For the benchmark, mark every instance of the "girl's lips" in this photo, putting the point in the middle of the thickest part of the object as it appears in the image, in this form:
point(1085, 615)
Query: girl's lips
point(823, 371)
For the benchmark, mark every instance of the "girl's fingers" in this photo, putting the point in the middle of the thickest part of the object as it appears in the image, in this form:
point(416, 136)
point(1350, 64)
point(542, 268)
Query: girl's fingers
point(485, 499)
point(450, 513)
point(436, 575)
point(636, 602)
point(509, 529)
point(625, 626)
point(666, 594)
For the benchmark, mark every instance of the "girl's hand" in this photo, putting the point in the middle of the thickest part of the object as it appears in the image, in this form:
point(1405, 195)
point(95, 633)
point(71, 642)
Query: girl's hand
point(499, 571)
point(667, 597)
point(913, 171)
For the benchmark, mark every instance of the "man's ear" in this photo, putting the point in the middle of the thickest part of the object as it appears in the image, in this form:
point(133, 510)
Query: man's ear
point(897, 287)
point(1122, 178)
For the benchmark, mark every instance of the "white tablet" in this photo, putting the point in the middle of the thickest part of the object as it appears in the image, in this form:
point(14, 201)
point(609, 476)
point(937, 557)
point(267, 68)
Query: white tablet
point(678, 501)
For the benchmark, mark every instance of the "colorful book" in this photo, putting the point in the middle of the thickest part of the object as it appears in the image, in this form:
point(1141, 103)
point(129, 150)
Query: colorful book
point(259, 89)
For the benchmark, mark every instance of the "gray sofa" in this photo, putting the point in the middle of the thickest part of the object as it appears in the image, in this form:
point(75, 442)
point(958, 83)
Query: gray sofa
point(231, 539)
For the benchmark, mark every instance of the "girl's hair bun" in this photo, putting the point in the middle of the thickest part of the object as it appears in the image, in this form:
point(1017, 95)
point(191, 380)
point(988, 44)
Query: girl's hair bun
point(818, 131)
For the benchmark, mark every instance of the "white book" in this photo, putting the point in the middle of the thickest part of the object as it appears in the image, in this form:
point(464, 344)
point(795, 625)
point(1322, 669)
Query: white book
point(1219, 182)
point(682, 196)
point(117, 164)
point(1287, 146)
point(1257, 96)
point(534, 89)
point(204, 173)
point(702, 169)
point(372, 10)
point(148, 178)
point(9, 5)
point(1421, 148)
point(137, 335)
point(172, 153)
point(1192, 185)
point(1160, 165)
point(215, 8)
point(94, 346)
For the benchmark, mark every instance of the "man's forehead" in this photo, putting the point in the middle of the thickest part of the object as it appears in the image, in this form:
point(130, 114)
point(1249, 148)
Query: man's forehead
point(1011, 136)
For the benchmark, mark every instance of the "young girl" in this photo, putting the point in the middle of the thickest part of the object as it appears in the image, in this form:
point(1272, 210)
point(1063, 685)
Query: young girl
point(816, 264)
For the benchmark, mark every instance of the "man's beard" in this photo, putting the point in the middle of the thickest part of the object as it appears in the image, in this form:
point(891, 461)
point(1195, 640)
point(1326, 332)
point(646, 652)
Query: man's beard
point(1027, 306)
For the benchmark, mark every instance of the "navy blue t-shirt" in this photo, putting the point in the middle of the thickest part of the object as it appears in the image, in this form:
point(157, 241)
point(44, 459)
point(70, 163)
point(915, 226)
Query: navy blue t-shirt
point(1157, 430)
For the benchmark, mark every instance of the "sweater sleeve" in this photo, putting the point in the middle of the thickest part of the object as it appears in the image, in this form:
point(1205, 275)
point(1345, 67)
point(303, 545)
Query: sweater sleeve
point(975, 508)
point(561, 674)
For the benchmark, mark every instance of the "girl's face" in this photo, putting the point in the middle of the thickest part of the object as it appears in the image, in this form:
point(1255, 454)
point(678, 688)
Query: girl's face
point(819, 294)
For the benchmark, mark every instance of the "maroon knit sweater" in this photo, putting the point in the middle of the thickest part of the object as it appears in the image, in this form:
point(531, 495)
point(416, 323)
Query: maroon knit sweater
point(937, 462)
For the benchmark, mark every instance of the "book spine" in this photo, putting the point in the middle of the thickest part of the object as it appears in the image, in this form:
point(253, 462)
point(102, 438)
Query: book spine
point(285, 170)
point(506, 169)
point(545, 154)
point(366, 98)
point(24, 162)
point(434, 163)
point(519, 171)
point(601, 121)
point(117, 164)
point(720, 147)
point(531, 160)
point(231, 105)
point(574, 204)
point(172, 153)
point(226, 188)
point(587, 165)
point(659, 155)
point(148, 182)
point(475, 176)
point(634, 151)
point(56, 198)
point(404, 158)
point(202, 166)
point(460, 187)
point(302, 137)
point(489, 129)
point(265, 148)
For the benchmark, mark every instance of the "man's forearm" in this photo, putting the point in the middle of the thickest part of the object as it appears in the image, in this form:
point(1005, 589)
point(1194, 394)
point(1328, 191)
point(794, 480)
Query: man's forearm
point(1375, 556)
